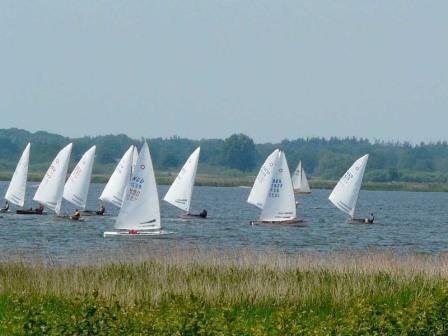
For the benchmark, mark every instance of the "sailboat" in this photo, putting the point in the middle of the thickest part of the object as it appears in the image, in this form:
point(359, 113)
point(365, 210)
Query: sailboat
point(273, 193)
point(77, 186)
point(17, 187)
point(114, 190)
point(179, 194)
point(345, 194)
point(140, 212)
point(50, 190)
point(299, 181)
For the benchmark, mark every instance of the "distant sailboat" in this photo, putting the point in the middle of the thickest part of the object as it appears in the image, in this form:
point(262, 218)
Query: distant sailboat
point(140, 212)
point(345, 194)
point(77, 186)
point(114, 190)
point(299, 181)
point(273, 193)
point(50, 190)
point(17, 187)
point(179, 194)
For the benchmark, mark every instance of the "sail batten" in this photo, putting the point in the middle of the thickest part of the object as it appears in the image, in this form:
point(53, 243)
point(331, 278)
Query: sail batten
point(180, 192)
point(345, 194)
point(17, 187)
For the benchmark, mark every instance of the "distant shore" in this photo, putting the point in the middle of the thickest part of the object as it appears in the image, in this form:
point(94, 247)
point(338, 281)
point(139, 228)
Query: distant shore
point(247, 181)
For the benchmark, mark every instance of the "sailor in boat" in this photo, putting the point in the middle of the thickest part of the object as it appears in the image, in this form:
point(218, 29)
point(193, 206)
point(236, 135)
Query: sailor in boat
point(76, 215)
point(203, 214)
point(101, 211)
point(40, 209)
point(5, 208)
point(370, 219)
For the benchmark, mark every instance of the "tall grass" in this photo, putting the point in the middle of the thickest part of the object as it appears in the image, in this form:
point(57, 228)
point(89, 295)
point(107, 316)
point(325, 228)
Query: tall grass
point(239, 289)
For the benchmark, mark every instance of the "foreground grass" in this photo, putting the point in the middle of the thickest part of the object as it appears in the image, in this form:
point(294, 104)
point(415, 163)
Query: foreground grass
point(239, 293)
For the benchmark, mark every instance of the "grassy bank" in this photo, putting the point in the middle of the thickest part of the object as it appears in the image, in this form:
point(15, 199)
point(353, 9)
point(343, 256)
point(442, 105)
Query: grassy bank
point(235, 181)
point(241, 293)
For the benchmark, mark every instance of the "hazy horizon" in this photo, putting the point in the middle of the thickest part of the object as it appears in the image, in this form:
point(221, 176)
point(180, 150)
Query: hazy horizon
point(271, 70)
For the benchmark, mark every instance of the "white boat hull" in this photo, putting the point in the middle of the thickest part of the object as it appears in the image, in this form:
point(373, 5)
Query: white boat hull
point(154, 234)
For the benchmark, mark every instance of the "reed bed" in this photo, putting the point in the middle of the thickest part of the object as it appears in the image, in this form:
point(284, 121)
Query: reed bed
point(326, 291)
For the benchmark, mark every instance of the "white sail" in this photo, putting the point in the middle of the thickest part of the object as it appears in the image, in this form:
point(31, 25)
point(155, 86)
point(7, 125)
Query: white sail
point(134, 157)
point(140, 209)
point(280, 204)
point(115, 189)
point(16, 189)
point(181, 190)
point(262, 183)
point(345, 194)
point(299, 180)
point(51, 188)
point(77, 186)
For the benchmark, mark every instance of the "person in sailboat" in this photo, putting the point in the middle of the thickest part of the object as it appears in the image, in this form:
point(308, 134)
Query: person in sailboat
point(40, 209)
point(5, 208)
point(203, 214)
point(101, 211)
point(370, 219)
point(76, 215)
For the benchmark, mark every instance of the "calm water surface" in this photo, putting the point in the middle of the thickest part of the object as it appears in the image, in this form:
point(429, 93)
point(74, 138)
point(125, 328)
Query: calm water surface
point(406, 221)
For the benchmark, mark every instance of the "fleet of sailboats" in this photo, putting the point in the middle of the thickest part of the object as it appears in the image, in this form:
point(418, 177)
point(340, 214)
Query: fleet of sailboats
point(345, 194)
point(180, 192)
point(132, 187)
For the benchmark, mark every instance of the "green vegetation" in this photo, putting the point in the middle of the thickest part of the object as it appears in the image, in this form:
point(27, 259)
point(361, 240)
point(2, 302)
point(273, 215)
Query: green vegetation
point(237, 158)
point(239, 293)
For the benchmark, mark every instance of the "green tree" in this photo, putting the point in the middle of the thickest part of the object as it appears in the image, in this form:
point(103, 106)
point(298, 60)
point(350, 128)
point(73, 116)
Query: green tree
point(239, 152)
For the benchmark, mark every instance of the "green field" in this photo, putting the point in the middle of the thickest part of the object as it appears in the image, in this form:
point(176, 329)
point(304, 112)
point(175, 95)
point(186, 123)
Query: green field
point(195, 292)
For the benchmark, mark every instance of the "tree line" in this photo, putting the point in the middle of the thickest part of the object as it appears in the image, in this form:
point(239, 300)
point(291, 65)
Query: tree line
point(238, 154)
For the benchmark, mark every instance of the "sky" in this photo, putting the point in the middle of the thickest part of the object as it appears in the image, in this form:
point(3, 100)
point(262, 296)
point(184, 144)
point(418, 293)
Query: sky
point(208, 69)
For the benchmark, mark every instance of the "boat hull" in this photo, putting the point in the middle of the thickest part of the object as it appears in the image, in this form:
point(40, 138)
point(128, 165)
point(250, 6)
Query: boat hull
point(301, 192)
point(193, 216)
point(70, 218)
point(154, 234)
point(281, 222)
point(30, 212)
point(359, 221)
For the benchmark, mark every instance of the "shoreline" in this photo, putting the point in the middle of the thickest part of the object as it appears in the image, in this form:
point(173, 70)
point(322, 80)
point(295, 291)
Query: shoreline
point(247, 181)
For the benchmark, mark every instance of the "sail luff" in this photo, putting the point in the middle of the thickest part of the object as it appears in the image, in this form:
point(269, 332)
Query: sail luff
point(17, 187)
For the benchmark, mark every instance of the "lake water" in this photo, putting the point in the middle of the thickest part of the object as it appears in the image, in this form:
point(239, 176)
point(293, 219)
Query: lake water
point(405, 221)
